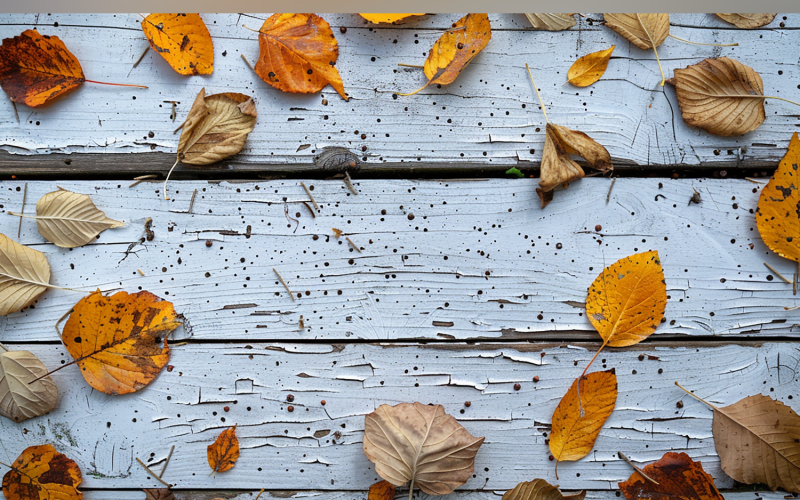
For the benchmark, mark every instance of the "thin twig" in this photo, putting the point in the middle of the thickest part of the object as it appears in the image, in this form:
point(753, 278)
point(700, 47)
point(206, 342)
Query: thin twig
point(155, 476)
point(410, 65)
point(537, 93)
point(259, 494)
point(141, 178)
point(284, 284)
point(191, 203)
point(16, 113)
point(754, 181)
point(352, 244)
point(698, 43)
point(637, 469)
point(146, 50)
point(308, 192)
point(247, 62)
point(140, 272)
point(694, 396)
point(776, 272)
point(22, 210)
point(796, 276)
point(608, 196)
point(310, 210)
point(166, 462)
point(349, 182)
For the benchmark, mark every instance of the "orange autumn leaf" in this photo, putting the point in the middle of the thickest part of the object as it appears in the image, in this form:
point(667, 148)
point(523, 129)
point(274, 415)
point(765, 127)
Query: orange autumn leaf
point(34, 68)
point(182, 40)
point(224, 452)
point(678, 477)
point(576, 424)
point(456, 48)
point(589, 68)
point(778, 216)
point(387, 18)
point(42, 473)
point(627, 300)
point(115, 339)
point(298, 53)
point(382, 490)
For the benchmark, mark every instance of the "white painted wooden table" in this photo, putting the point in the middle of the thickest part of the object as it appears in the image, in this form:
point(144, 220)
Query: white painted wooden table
point(461, 289)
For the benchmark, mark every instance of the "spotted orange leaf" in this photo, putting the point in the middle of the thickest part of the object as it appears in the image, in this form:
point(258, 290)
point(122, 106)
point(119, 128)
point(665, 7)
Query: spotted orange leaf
point(298, 53)
point(387, 18)
point(182, 40)
point(778, 215)
point(382, 490)
point(224, 452)
point(115, 339)
point(42, 473)
point(676, 476)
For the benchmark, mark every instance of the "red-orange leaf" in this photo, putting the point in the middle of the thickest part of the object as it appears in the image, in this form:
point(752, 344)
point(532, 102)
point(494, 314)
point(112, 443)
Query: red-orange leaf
point(678, 478)
point(382, 490)
point(224, 452)
point(42, 473)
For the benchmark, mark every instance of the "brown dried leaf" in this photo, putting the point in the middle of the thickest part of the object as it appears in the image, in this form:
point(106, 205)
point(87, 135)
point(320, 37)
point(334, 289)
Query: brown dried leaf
point(551, 22)
point(646, 31)
point(382, 490)
point(24, 275)
point(539, 489)
point(678, 478)
point(224, 452)
point(158, 494)
point(25, 390)
point(748, 21)
point(421, 444)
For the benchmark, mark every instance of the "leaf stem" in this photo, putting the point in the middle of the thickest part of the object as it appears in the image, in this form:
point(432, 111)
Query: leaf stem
point(698, 43)
point(780, 99)
point(155, 476)
point(654, 48)
point(637, 469)
point(3, 463)
point(168, 174)
point(419, 89)
point(118, 84)
point(696, 397)
point(411, 490)
point(540, 98)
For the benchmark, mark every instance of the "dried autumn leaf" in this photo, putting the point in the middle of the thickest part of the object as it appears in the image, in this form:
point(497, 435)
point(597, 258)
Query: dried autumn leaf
point(589, 68)
point(224, 451)
point(42, 473)
point(421, 444)
point(158, 494)
point(551, 22)
point(748, 21)
point(777, 215)
point(646, 31)
point(539, 489)
point(678, 478)
point(386, 18)
point(25, 390)
point(182, 40)
point(24, 275)
point(298, 53)
point(576, 424)
point(456, 48)
point(722, 96)
point(115, 339)
point(34, 68)
point(70, 219)
point(382, 490)
point(627, 300)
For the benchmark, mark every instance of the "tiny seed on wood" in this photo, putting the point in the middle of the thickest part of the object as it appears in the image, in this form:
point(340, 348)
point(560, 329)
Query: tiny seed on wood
point(536, 378)
point(679, 404)
point(517, 387)
point(343, 30)
point(209, 243)
point(290, 408)
point(290, 398)
point(322, 402)
point(598, 228)
point(227, 408)
point(558, 245)
point(467, 403)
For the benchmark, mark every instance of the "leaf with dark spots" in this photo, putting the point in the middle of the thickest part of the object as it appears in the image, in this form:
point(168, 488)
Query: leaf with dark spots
point(182, 40)
point(42, 473)
point(675, 476)
point(778, 213)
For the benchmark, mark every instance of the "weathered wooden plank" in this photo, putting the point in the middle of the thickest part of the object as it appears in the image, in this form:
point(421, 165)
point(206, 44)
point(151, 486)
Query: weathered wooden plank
point(320, 446)
point(489, 116)
point(439, 259)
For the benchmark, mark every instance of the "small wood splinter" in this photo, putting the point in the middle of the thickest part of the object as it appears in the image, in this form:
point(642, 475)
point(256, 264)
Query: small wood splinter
point(308, 192)
point(155, 476)
point(284, 284)
point(776, 272)
point(353, 244)
point(191, 203)
point(637, 469)
point(247, 62)
point(141, 178)
point(349, 182)
point(22, 210)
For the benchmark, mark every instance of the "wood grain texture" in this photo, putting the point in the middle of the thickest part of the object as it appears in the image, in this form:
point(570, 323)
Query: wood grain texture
point(320, 447)
point(488, 117)
point(439, 259)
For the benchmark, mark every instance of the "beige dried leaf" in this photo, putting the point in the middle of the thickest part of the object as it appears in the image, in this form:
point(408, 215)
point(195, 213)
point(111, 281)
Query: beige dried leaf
point(551, 22)
point(646, 31)
point(216, 127)
point(721, 96)
point(539, 489)
point(20, 397)
point(70, 219)
point(748, 21)
point(421, 444)
point(24, 275)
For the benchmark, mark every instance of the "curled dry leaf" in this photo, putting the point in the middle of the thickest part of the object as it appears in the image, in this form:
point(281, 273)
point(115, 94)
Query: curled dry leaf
point(456, 48)
point(777, 215)
point(182, 40)
point(678, 478)
point(421, 444)
point(224, 451)
point(589, 68)
point(34, 68)
point(115, 339)
point(25, 390)
point(577, 423)
point(42, 473)
point(748, 21)
point(382, 490)
point(24, 275)
point(158, 494)
point(539, 489)
point(551, 22)
point(70, 219)
point(387, 18)
point(627, 300)
point(298, 53)
point(646, 31)
point(721, 96)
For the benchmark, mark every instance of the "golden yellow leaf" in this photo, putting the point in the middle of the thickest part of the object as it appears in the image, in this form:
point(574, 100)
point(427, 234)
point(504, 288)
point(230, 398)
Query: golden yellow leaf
point(115, 339)
point(224, 451)
point(676, 477)
point(627, 300)
point(778, 215)
point(182, 40)
point(387, 18)
point(42, 473)
point(589, 68)
point(576, 424)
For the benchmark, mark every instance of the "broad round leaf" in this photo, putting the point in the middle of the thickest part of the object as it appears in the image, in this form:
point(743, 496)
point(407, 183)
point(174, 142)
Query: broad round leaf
point(182, 40)
point(676, 476)
point(24, 275)
point(70, 219)
point(22, 396)
point(551, 22)
point(539, 489)
point(646, 31)
point(778, 217)
point(42, 473)
point(748, 21)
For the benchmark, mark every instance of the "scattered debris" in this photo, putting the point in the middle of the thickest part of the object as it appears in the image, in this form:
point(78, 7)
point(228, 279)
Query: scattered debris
point(284, 284)
point(308, 192)
point(695, 198)
point(141, 178)
point(349, 183)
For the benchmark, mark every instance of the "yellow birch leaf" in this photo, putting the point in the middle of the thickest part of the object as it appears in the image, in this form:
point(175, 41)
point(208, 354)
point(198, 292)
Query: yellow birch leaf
point(589, 68)
point(387, 18)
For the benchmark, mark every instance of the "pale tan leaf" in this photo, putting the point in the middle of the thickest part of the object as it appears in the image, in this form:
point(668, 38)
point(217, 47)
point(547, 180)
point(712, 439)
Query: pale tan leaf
point(24, 275)
point(539, 489)
point(646, 31)
point(421, 444)
point(20, 397)
point(551, 22)
point(721, 96)
point(748, 21)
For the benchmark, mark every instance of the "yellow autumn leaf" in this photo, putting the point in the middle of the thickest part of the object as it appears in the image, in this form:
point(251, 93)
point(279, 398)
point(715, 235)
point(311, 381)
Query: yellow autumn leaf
point(777, 215)
point(386, 18)
point(589, 68)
